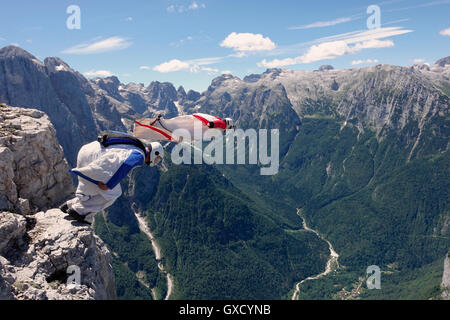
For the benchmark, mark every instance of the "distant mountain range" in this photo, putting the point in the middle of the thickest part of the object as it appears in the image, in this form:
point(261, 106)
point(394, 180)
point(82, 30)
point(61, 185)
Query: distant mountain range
point(364, 154)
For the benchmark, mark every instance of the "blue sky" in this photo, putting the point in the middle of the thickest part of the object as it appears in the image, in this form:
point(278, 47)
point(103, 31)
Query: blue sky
point(189, 42)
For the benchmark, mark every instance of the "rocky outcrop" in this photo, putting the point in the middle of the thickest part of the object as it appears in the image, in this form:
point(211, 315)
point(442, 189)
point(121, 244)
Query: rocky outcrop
point(33, 171)
point(24, 82)
point(38, 249)
point(443, 62)
point(38, 254)
point(446, 278)
point(72, 89)
point(326, 67)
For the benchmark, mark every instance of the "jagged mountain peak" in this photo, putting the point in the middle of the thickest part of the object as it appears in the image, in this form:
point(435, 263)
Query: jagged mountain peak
point(14, 51)
point(181, 91)
point(443, 62)
point(326, 67)
point(221, 79)
point(55, 64)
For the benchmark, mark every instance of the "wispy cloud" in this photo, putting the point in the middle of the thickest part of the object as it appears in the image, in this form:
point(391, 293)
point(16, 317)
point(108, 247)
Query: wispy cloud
point(321, 24)
point(368, 61)
point(395, 21)
point(340, 45)
point(2, 39)
point(364, 35)
point(445, 32)
point(98, 73)
point(144, 68)
point(418, 60)
point(110, 44)
point(129, 19)
point(325, 51)
point(180, 8)
point(180, 42)
point(422, 5)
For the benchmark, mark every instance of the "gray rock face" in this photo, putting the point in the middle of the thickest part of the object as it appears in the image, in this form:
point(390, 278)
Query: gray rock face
point(34, 173)
point(12, 229)
point(162, 97)
point(326, 67)
point(37, 254)
point(70, 87)
point(446, 278)
point(193, 95)
point(24, 83)
point(443, 62)
point(36, 250)
point(181, 93)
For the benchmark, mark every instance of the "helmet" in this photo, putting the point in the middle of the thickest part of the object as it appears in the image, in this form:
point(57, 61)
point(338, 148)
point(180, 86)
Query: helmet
point(229, 123)
point(156, 153)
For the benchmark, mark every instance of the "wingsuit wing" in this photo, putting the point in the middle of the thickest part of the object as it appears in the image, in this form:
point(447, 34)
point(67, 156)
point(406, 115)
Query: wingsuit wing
point(149, 129)
point(158, 129)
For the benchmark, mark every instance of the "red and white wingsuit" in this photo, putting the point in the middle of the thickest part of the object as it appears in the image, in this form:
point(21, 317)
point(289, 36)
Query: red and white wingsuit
point(159, 129)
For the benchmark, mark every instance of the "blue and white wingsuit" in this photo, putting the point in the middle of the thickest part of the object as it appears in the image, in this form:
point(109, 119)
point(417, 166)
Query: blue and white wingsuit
point(108, 165)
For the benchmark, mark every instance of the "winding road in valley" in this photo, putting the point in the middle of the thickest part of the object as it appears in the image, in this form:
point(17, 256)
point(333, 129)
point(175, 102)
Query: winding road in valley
point(144, 228)
point(332, 262)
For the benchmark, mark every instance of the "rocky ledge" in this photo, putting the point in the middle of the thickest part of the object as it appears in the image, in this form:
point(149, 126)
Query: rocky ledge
point(33, 170)
point(43, 254)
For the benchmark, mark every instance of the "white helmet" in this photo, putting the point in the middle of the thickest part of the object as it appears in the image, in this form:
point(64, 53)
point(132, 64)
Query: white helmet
point(156, 153)
point(229, 123)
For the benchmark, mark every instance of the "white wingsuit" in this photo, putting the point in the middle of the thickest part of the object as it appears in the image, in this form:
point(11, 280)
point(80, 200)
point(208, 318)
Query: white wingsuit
point(108, 165)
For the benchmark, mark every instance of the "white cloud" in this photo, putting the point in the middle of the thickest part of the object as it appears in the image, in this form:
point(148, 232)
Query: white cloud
point(445, 32)
point(239, 54)
point(320, 24)
point(181, 42)
point(242, 42)
point(358, 36)
point(98, 73)
point(226, 72)
point(205, 61)
point(372, 44)
point(144, 67)
point(110, 44)
point(422, 5)
point(419, 60)
point(340, 45)
point(194, 65)
point(180, 9)
point(325, 51)
point(171, 66)
point(368, 61)
point(129, 19)
point(29, 41)
point(194, 6)
point(210, 70)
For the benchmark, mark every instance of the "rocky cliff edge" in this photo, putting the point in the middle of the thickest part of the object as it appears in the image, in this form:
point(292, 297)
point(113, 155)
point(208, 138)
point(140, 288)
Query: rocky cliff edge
point(43, 255)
